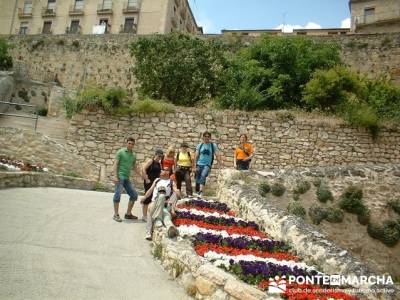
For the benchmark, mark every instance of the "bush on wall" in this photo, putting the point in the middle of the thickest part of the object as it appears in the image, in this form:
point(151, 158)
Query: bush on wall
point(6, 62)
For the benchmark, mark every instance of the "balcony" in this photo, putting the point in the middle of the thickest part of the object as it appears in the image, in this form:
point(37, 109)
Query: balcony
point(75, 10)
point(377, 18)
point(24, 13)
point(103, 9)
point(48, 12)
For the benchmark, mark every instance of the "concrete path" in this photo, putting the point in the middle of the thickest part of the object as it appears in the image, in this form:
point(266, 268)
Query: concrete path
point(63, 244)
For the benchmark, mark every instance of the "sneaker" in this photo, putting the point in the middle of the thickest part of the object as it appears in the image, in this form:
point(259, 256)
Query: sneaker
point(158, 224)
point(172, 232)
point(130, 217)
point(148, 237)
point(200, 195)
point(117, 218)
point(144, 219)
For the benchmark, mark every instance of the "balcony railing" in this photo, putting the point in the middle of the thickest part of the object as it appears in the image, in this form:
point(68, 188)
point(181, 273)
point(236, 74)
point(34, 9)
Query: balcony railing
point(24, 13)
point(103, 9)
point(133, 29)
point(377, 18)
point(75, 10)
point(48, 12)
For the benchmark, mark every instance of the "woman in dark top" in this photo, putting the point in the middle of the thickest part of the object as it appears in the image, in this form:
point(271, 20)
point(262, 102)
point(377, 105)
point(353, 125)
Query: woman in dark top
point(151, 171)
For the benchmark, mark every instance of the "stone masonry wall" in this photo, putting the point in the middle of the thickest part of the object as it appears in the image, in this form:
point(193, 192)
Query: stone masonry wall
point(106, 60)
point(279, 143)
point(36, 148)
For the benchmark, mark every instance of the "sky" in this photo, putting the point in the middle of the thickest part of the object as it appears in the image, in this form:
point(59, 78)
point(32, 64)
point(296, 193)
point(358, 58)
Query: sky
point(215, 15)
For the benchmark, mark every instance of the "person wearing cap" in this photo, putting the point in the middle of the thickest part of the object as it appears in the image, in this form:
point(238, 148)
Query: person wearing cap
point(151, 171)
point(125, 160)
point(184, 166)
point(164, 195)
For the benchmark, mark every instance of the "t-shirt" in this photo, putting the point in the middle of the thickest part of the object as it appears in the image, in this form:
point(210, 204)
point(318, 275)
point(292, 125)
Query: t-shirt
point(205, 155)
point(239, 153)
point(127, 160)
point(165, 183)
point(184, 160)
point(168, 163)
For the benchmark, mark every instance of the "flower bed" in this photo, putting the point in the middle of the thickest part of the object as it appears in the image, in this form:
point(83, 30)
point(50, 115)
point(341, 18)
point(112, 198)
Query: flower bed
point(242, 249)
point(18, 165)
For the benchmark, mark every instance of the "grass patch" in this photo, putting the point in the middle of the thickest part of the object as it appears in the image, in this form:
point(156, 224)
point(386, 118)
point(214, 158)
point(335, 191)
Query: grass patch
point(278, 189)
point(264, 188)
point(151, 106)
point(72, 174)
point(157, 252)
point(324, 194)
point(297, 209)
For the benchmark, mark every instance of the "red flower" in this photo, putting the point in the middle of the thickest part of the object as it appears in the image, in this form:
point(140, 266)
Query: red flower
point(201, 249)
point(250, 231)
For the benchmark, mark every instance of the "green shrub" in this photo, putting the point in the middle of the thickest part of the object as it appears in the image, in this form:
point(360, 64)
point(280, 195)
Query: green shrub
point(297, 209)
point(274, 70)
point(375, 230)
point(324, 194)
point(296, 197)
point(6, 62)
point(70, 107)
point(148, 106)
point(351, 200)
point(72, 174)
point(391, 233)
point(330, 89)
point(180, 68)
point(395, 205)
point(364, 216)
point(363, 115)
point(302, 187)
point(113, 99)
point(388, 233)
point(278, 189)
point(264, 188)
point(317, 214)
point(41, 110)
point(334, 215)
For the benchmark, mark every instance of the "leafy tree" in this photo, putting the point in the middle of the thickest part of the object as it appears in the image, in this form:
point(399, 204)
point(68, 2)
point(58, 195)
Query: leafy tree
point(6, 62)
point(180, 68)
point(274, 70)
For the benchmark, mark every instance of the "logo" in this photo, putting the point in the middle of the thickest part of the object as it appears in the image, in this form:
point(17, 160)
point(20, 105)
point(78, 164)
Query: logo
point(277, 285)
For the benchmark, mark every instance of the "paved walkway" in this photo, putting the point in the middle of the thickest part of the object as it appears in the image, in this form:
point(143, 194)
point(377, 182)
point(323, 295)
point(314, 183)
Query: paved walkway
point(63, 244)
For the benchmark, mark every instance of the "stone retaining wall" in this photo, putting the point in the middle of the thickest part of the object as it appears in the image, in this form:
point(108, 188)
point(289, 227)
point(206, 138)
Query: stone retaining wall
point(200, 278)
point(36, 148)
point(279, 142)
point(34, 179)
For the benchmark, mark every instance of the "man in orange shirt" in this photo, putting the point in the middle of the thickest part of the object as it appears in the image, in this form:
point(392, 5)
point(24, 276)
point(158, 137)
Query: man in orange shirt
point(243, 154)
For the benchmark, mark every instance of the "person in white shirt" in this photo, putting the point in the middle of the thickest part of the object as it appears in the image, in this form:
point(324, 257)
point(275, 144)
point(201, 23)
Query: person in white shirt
point(162, 206)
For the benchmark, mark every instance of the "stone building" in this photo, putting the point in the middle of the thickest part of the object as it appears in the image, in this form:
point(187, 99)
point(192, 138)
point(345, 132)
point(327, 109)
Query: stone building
point(279, 32)
point(375, 16)
point(96, 16)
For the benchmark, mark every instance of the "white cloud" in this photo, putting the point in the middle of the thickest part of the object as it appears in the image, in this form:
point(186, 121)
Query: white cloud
point(207, 24)
point(346, 23)
point(289, 27)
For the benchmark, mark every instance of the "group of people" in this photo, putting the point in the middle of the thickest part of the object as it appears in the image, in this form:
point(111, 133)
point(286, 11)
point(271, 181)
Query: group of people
point(163, 175)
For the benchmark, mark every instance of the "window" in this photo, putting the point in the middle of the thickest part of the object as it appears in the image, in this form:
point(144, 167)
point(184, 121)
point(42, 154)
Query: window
point(74, 26)
point(51, 5)
point(46, 27)
point(27, 7)
point(132, 3)
point(78, 5)
point(23, 28)
point(107, 4)
point(369, 15)
point(129, 25)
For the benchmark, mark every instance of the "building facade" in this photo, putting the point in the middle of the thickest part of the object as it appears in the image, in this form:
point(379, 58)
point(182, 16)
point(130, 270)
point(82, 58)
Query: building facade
point(279, 32)
point(375, 16)
point(96, 17)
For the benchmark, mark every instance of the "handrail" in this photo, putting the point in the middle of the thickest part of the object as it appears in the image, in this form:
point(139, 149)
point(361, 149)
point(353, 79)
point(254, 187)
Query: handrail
point(21, 116)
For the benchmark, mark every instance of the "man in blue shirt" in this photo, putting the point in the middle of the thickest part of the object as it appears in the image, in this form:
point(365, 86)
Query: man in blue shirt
point(204, 158)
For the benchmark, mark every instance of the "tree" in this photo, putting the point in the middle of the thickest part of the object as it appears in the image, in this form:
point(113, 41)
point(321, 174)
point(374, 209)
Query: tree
point(5, 59)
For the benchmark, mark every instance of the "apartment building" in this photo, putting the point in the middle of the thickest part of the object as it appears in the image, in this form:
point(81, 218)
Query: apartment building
point(375, 16)
point(279, 32)
point(96, 17)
